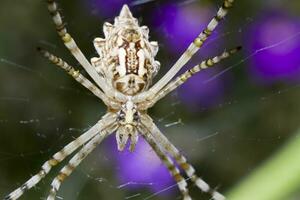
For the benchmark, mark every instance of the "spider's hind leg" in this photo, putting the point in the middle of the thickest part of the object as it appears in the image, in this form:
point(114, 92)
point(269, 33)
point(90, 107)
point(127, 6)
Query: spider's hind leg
point(78, 77)
point(189, 52)
point(71, 45)
point(190, 73)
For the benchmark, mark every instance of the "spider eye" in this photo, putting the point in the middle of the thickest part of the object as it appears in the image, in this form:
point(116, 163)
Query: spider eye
point(121, 115)
point(136, 116)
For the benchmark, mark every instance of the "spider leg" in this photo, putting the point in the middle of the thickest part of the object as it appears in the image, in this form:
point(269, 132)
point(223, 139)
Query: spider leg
point(188, 74)
point(174, 171)
point(75, 161)
point(78, 77)
point(187, 55)
point(60, 156)
point(76, 52)
point(180, 159)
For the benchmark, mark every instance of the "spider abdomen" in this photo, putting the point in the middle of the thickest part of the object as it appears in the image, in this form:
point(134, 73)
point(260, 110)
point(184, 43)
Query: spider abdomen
point(126, 56)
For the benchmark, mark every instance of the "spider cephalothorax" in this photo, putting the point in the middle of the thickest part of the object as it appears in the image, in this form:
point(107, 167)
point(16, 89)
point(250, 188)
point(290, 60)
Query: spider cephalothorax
point(122, 75)
point(128, 119)
point(126, 55)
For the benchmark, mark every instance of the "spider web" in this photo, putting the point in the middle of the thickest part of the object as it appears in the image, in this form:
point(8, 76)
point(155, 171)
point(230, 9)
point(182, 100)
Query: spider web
point(37, 122)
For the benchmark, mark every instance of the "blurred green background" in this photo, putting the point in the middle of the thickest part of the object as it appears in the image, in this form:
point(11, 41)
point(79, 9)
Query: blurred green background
point(42, 108)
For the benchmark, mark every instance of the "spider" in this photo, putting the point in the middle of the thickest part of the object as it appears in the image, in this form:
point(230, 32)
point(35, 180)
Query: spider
point(123, 75)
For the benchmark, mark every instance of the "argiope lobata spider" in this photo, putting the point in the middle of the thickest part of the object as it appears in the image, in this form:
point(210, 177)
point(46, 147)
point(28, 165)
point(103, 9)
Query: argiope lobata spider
point(123, 73)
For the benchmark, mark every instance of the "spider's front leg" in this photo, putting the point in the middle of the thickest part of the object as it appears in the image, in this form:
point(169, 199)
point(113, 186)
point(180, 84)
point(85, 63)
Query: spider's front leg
point(77, 159)
point(174, 171)
point(169, 148)
point(61, 155)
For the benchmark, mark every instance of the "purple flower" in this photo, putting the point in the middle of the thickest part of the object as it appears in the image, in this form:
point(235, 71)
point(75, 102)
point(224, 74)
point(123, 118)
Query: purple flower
point(181, 24)
point(141, 168)
point(277, 38)
point(203, 91)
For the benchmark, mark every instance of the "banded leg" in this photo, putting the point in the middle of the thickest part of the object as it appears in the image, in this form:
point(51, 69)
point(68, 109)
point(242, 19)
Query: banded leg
point(180, 159)
point(189, 73)
point(174, 171)
point(60, 156)
point(75, 161)
point(187, 55)
point(76, 52)
point(78, 77)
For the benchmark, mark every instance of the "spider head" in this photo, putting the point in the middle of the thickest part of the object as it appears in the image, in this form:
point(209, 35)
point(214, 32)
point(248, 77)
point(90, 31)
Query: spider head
point(128, 119)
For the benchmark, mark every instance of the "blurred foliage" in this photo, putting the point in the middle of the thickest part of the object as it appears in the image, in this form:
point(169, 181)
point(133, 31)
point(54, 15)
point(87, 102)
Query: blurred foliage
point(281, 178)
point(42, 108)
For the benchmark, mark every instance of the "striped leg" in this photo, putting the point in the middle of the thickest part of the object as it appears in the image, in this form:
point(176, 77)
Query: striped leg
point(188, 74)
point(180, 159)
point(174, 171)
point(76, 52)
point(78, 77)
point(186, 56)
point(60, 156)
point(75, 161)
